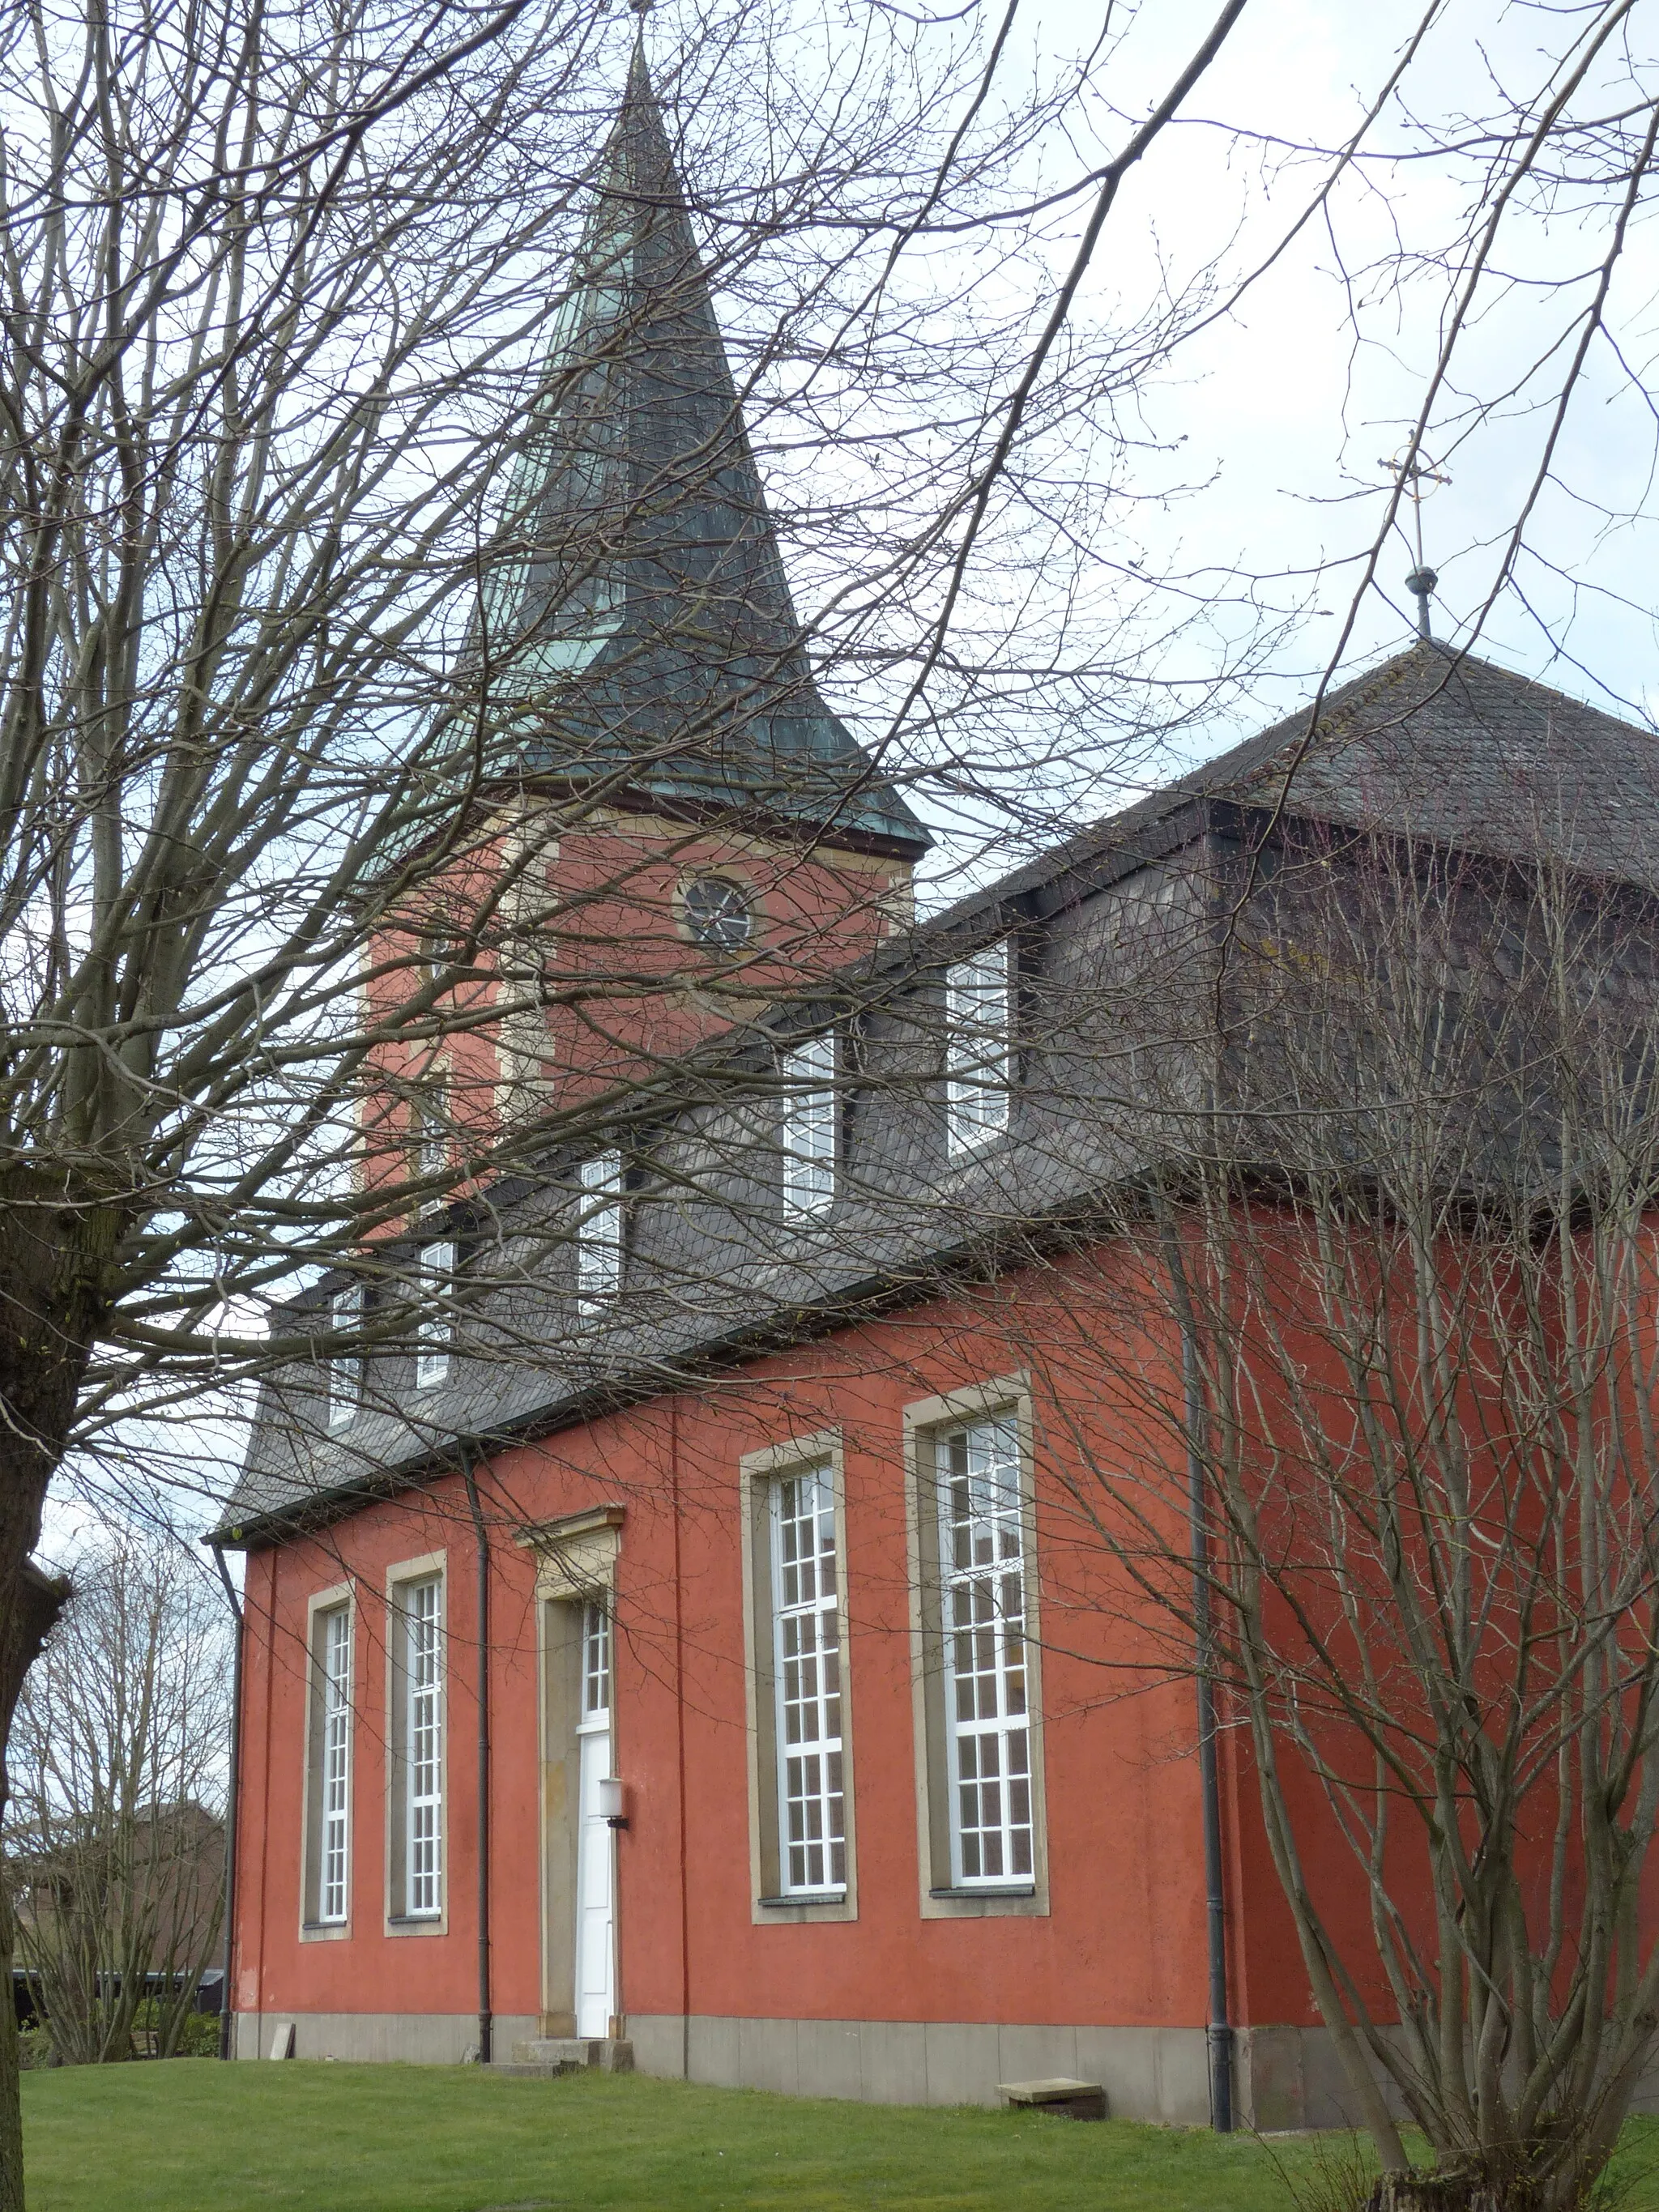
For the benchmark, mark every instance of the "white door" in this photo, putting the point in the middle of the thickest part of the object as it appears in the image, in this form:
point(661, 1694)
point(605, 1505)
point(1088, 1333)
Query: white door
point(596, 1937)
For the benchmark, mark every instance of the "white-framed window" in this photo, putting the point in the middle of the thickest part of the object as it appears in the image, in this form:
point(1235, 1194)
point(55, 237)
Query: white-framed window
point(809, 1120)
point(435, 1266)
point(432, 955)
point(334, 1766)
point(719, 914)
point(807, 1685)
point(345, 1369)
point(979, 1059)
point(596, 1662)
point(432, 1127)
point(420, 1616)
point(599, 1232)
point(982, 1584)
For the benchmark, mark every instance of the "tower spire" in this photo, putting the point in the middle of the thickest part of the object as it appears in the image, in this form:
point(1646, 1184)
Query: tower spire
point(641, 606)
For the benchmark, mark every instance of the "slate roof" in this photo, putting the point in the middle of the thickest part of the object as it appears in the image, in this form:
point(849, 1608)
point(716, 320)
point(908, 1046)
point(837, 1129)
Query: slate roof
point(641, 619)
point(1431, 745)
point(1428, 745)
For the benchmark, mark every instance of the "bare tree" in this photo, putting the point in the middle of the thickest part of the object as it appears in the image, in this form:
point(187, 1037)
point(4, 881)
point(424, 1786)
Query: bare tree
point(305, 680)
point(330, 615)
point(115, 1824)
point(1350, 1371)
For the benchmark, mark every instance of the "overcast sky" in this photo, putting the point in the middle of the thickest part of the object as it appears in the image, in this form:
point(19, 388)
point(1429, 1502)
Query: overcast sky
point(1292, 408)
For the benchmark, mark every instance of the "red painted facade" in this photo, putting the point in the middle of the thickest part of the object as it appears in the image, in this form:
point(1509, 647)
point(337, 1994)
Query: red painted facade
point(1118, 1938)
point(625, 990)
point(1123, 1942)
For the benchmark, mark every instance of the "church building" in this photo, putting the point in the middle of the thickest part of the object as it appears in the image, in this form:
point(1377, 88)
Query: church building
point(695, 1654)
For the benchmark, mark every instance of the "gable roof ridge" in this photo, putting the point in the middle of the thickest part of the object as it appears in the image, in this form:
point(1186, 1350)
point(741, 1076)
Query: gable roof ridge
point(1239, 773)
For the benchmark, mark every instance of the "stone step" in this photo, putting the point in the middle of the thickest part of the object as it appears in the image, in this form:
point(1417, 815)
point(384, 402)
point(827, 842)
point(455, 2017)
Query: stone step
point(1071, 2101)
point(571, 2054)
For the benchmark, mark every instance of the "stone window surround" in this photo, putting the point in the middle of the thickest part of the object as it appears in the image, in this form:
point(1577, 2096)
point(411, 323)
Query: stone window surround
point(312, 1929)
point(923, 1421)
point(395, 1921)
point(757, 1472)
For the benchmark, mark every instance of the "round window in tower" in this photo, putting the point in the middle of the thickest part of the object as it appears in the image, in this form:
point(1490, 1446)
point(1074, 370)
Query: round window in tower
point(718, 914)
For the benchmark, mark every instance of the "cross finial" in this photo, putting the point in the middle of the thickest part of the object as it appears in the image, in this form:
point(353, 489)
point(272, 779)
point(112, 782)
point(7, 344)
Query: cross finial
point(1415, 473)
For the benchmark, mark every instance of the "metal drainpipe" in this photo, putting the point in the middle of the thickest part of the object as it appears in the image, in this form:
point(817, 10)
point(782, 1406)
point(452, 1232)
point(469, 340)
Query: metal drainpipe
point(486, 2019)
point(679, 1727)
point(225, 2015)
point(1219, 2035)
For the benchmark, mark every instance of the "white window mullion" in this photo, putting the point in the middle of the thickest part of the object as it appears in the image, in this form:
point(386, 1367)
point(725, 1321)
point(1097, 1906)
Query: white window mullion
point(809, 1126)
point(806, 1675)
point(982, 1546)
point(336, 1840)
point(423, 1726)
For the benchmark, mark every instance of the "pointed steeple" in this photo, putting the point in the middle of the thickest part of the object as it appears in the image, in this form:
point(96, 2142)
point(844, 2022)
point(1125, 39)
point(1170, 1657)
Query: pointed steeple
point(643, 615)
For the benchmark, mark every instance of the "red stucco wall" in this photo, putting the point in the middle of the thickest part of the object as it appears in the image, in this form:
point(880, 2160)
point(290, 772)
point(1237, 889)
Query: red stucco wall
point(1124, 1943)
point(626, 988)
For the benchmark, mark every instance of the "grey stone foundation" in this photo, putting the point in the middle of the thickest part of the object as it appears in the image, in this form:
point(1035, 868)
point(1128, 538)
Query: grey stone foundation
point(1290, 2077)
point(1152, 2074)
point(417, 2038)
point(1283, 2077)
point(1149, 2073)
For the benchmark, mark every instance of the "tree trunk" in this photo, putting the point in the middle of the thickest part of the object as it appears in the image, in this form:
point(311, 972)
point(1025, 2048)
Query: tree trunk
point(11, 2114)
point(58, 1242)
point(34, 1607)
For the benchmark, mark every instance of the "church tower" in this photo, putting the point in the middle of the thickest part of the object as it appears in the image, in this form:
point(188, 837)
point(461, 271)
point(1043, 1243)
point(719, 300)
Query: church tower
point(689, 830)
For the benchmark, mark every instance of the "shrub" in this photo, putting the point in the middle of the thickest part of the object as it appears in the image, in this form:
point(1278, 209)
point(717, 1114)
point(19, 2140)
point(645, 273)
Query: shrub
point(198, 2034)
point(200, 2037)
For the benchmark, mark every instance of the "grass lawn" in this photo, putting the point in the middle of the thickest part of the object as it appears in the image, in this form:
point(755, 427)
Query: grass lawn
point(191, 2135)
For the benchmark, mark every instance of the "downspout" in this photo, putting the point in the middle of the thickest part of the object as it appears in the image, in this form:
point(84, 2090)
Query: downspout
point(225, 2016)
point(679, 1721)
point(1219, 2034)
point(486, 2020)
